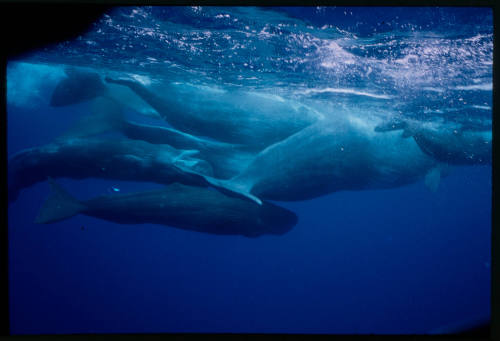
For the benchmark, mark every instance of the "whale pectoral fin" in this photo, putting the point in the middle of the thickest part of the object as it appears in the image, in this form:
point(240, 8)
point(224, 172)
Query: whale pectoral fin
point(188, 152)
point(197, 166)
point(227, 187)
point(233, 189)
point(432, 179)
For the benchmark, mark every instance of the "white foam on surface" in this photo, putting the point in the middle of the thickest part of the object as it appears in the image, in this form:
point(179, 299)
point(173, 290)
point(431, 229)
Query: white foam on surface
point(483, 87)
point(482, 107)
point(346, 91)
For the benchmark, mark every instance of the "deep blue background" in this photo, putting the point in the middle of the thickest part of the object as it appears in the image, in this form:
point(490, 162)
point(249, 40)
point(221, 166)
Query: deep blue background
point(392, 261)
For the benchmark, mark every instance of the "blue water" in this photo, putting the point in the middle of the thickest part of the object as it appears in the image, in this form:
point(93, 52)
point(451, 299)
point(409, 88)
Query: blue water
point(403, 260)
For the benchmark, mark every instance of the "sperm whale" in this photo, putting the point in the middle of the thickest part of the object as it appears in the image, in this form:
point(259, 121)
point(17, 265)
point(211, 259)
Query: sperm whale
point(453, 144)
point(344, 153)
point(97, 157)
point(242, 117)
point(185, 207)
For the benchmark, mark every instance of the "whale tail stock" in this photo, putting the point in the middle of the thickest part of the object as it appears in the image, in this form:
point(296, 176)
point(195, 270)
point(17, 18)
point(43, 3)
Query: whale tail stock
point(60, 205)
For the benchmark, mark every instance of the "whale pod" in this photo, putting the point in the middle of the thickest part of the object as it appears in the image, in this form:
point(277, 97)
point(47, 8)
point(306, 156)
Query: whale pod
point(226, 159)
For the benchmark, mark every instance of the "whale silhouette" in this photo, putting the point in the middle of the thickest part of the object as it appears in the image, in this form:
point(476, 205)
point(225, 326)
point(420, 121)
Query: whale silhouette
point(185, 207)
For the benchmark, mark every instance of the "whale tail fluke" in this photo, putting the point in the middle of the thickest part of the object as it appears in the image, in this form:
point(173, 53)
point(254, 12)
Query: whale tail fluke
point(60, 205)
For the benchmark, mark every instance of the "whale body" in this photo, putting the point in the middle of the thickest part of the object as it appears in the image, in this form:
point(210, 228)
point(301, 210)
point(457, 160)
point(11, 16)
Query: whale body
point(185, 207)
point(333, 155)
point(448, 143)
point(225, 159)
point(95, 157)
point(81, 85)
point(239, 117)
